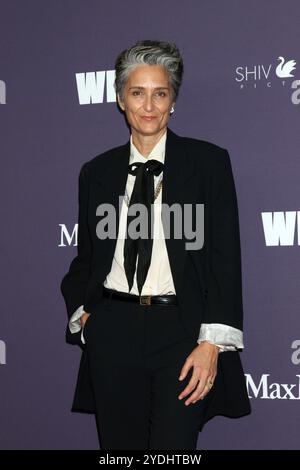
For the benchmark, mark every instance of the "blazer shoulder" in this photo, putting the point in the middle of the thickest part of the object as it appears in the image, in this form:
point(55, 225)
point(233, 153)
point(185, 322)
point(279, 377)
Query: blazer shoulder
point(203, 144)
point(208, 152)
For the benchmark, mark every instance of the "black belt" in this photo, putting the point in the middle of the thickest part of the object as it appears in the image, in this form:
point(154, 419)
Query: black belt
point(141, 299)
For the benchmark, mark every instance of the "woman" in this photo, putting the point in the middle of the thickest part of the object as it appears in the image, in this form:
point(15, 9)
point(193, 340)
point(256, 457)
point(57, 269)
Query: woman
point(160, 323)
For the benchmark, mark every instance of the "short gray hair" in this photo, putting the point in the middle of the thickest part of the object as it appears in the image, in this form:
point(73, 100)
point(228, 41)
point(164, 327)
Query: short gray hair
point(149, 52)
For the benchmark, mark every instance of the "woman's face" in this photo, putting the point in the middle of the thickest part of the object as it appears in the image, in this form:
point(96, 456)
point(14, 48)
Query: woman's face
point(147, 94)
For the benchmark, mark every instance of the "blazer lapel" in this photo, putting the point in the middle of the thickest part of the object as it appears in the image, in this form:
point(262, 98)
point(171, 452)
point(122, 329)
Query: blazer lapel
point(111, 184)
point(112, 180)
point(178, 170)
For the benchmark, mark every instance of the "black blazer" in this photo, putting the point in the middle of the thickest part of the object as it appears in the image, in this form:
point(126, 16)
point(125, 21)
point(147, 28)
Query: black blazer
point(208, 281)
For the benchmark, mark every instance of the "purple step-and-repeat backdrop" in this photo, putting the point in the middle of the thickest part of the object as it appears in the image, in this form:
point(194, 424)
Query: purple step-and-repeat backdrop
point(241, 90)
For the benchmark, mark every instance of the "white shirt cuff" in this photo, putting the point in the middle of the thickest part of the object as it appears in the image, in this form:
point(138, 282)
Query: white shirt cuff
point(74, 322)
point(226, 337)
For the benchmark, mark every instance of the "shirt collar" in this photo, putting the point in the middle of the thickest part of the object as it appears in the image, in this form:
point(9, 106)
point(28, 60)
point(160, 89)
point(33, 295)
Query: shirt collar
point(157, 153)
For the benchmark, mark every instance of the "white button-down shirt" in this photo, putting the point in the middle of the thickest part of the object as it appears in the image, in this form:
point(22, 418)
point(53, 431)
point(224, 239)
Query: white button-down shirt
point(159, 279)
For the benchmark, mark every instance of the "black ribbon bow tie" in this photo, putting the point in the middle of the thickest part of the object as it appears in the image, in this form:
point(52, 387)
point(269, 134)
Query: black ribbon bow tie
point(143, 193)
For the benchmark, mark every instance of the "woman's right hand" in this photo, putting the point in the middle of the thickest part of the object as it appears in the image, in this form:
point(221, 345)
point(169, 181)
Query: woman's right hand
point(84, 318)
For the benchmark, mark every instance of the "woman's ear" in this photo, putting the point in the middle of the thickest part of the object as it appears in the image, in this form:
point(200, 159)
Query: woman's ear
point(120, 103)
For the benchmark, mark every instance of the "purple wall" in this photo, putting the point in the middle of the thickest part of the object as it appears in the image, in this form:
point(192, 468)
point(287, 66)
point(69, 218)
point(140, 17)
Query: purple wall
point(46, 135)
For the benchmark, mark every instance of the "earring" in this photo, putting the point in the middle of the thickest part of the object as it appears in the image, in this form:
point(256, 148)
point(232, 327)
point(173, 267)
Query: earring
point(172, 110)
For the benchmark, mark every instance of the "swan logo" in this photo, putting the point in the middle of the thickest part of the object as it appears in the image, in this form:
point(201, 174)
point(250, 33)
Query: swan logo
point(283, 70)
point(257, 73)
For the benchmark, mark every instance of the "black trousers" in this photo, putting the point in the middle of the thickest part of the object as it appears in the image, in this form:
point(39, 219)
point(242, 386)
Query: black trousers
point(135, 355)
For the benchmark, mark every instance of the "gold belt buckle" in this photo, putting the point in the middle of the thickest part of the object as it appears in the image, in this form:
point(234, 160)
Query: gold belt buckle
point(145, 299)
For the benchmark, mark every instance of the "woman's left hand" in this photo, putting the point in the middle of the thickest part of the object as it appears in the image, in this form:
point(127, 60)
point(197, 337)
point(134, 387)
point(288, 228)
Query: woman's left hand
point(203, 359)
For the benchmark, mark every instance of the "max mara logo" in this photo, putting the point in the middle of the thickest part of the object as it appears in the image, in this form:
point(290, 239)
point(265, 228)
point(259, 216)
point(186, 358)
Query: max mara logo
point(269, 390)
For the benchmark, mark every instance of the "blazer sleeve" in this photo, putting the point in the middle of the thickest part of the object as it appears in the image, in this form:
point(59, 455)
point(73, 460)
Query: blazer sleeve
point(224, 303)
point(74, 283)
